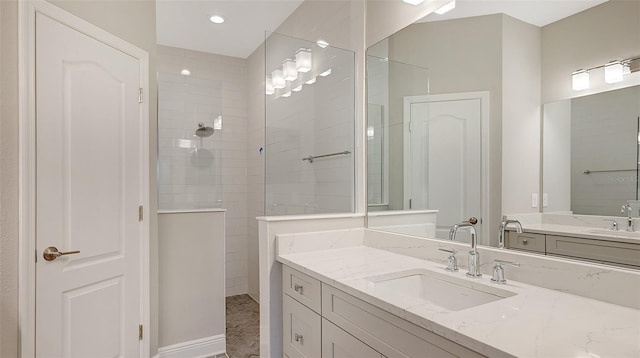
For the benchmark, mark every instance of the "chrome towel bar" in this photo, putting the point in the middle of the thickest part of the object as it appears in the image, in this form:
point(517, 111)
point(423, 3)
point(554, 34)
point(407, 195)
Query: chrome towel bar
point(312, 157)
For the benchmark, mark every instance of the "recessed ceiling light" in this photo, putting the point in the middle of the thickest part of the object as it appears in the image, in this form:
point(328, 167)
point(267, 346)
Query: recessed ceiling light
point(216, 19)
point(446, 8)
point(322, 43)
point(185, 72)
point(414, 2)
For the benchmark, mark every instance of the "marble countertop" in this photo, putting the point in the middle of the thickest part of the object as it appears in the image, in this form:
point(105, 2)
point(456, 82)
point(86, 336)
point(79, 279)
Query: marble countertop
point(536, 322)
point(582, 231)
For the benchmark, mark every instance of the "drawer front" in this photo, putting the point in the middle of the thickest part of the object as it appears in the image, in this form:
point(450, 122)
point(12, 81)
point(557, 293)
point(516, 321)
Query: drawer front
point(526, 241)
point(301, 330)
point(599, 250)
point(336, 343)
point(304, 288)
point(384, 332)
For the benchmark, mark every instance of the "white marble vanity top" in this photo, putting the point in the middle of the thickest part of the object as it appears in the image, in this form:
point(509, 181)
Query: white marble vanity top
point(536, 322)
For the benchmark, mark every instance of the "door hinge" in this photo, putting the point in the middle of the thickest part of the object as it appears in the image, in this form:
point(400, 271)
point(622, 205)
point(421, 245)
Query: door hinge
point(409, 203)
point(140, 95)
point(140, 332)
point(140, 213)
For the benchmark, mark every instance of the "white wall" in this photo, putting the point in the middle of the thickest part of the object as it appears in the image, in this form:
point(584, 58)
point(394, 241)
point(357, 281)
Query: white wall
point(520, 115)
point(230, 154)
point(191, 303)
point(556, 154)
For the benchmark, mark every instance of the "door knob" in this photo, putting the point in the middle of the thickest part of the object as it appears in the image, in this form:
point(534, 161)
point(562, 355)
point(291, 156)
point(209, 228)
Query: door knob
point(51, 253)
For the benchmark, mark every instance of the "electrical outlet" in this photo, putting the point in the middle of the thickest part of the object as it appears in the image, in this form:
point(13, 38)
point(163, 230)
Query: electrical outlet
point(545, 200)
point(534, 200)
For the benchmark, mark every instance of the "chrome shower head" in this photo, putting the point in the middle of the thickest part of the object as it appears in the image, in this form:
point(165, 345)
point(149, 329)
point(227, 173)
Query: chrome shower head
point(203, 131)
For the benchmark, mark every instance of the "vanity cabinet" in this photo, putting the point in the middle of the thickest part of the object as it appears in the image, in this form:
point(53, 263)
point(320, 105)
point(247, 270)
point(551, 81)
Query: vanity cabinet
point(346, 326)
point(586, 249)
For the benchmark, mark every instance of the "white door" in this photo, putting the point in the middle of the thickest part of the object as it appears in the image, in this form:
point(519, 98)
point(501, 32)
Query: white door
point(89, 186)
point(445, 165)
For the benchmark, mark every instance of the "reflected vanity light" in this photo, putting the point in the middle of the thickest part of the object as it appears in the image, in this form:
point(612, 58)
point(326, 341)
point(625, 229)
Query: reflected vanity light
point(413, 2)
point(303, 60)
point(370, 132)
point(277, 79)
point(185, 72)
point(322, 43)
point(325, 73)
point(269, 89)
point(289, 70)
point(216, 19)
point(613, 72)
point(297, 89)
point(288, 94)
point(311, 81)
point(446, 8)
point(217, 123)
point(580, 80)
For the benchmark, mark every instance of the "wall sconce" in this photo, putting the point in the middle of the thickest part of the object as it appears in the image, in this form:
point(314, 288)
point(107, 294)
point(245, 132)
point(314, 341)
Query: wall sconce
point(289, 70)
point(580, 80)
point(217, 123)
point(269, 86)
point(613, 72)
point(277, 79)
point(303, 60)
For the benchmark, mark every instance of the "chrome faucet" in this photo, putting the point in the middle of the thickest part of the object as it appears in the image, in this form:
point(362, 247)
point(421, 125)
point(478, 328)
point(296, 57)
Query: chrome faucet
point(626, 209)
point(503, 225)
point(474, 255)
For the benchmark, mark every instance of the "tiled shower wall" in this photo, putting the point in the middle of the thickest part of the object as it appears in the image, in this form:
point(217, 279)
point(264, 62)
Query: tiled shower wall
point(231, 147)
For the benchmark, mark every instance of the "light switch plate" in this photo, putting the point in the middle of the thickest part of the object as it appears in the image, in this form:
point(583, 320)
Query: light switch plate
point(534, 200)
point(545, 200)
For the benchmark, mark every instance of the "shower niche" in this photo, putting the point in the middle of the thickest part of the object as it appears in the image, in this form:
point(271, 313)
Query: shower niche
point(189, 127)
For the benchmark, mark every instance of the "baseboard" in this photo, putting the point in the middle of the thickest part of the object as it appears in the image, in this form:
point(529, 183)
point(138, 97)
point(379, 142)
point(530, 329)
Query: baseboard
point(198, 348)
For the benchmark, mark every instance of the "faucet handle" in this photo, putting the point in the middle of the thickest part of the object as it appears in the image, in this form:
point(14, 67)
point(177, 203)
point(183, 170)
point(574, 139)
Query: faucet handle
point(452, 262)
point(614, 224)
point(498, 270)
point(472, 220)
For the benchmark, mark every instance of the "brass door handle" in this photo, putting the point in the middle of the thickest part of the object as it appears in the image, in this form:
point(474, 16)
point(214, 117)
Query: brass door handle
point(51, 253)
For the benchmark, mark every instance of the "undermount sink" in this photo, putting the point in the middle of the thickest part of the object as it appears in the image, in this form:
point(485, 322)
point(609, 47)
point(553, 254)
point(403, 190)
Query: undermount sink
point(451, 293)
point(615, 233)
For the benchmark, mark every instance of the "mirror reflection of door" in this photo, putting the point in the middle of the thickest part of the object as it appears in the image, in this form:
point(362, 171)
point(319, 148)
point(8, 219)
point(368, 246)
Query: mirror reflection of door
point(443, 160)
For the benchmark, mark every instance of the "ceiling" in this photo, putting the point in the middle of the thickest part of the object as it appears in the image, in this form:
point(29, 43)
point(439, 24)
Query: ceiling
point(535, 12)
point(185, 24)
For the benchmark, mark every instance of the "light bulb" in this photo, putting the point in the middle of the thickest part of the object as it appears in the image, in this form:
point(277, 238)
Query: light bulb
point(580, 80)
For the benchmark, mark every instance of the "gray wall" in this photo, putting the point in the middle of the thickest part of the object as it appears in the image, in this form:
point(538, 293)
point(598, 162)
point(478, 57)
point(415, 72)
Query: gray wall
point(133, 21)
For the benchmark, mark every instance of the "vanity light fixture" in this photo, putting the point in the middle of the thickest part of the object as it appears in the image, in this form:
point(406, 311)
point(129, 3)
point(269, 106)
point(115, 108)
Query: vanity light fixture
point(370, 132)
point(288, 94)
point(303, 60)
point(311, 81)
point(277, 79)
point(289, 70)
point(325, 73)
point(216, 19)
point(613, 72)
point(297, 89)
point(580, 80)
point(217, 123)
point(322, 43)
point(413, 2)
point(446, 8)
point(185, 72)
point(268, 85)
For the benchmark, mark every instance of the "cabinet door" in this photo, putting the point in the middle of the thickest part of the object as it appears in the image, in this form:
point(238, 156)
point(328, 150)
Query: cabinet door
point(337, 343)
point(301, 330)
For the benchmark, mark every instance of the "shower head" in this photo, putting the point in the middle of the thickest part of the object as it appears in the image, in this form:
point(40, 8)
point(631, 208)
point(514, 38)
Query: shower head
point(203, 131)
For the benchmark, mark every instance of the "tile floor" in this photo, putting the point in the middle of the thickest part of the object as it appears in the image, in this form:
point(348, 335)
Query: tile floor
point(243, 327)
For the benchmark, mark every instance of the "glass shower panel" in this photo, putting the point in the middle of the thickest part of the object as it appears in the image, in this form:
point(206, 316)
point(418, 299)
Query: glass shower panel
point(310, 120)
point(189, 127)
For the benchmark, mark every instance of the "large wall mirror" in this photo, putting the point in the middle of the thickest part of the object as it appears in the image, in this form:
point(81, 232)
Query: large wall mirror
point(460, 104)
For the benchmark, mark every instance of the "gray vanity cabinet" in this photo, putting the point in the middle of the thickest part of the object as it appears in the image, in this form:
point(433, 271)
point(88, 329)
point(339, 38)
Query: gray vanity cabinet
point(586, 249)
point(322, 321)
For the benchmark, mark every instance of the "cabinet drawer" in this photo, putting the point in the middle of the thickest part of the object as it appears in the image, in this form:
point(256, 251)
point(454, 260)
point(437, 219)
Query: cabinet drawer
point(525, 241)
point(301, 329)
point(386, 333)
point(337, 343)
point(304, 288)
point(600, 250)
